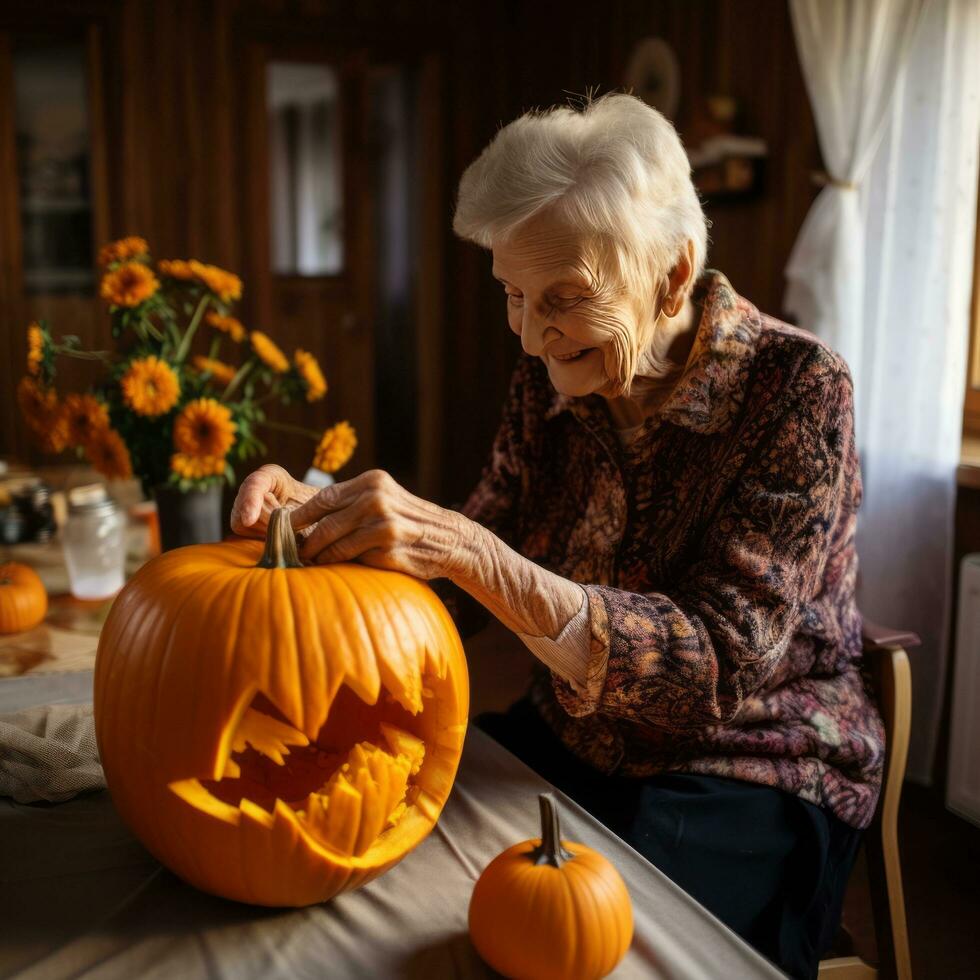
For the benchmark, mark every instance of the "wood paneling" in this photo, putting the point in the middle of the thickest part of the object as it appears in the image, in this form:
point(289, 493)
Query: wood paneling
point(178, 155)
point(529, 55)
point(183, 163)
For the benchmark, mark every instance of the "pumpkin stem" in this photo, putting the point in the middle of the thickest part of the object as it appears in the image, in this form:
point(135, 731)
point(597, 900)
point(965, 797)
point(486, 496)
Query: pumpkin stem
point(280, 542)
point(550, 851)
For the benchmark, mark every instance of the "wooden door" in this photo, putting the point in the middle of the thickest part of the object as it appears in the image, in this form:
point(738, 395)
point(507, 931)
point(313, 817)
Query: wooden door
point(316, 296)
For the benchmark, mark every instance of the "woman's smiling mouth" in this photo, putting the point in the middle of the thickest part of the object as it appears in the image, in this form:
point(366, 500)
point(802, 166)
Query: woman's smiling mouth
point(574, 355)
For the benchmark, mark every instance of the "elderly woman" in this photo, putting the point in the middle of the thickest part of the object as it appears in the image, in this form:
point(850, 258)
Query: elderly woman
point(667, 520)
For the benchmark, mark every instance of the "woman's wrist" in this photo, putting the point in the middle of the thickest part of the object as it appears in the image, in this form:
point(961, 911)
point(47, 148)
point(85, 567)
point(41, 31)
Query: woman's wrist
point(464, 559)
point(524, 596)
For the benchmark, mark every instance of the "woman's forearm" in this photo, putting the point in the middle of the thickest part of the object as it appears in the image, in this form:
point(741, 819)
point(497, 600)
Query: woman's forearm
point(524, 596)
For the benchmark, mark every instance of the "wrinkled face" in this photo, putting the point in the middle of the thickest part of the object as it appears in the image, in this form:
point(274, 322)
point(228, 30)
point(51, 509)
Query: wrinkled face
point(585, 328)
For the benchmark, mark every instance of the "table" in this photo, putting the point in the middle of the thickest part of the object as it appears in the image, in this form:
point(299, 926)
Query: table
point(69, 636)
point(80, 896)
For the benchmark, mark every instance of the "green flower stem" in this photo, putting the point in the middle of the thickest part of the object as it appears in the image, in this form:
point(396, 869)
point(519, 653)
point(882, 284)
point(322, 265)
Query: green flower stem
point(240, 375)
point(152, 331)
point(83, 355)
point(185, 344)
point(215, 346)
point(271, 392)
point(287, 427)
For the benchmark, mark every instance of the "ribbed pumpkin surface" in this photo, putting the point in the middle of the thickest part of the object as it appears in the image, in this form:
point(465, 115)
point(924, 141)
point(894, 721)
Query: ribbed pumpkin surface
point(278, 735)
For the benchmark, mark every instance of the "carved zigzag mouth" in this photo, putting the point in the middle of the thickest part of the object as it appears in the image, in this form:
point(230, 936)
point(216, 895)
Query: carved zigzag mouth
point(346, 788)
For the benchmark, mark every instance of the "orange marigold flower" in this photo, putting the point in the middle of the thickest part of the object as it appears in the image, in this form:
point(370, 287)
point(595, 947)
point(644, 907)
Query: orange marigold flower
point(43, 414)
point(175, 269)
point(35, 349)
point(38, 404)
point(268, 352)
point(150, 387)
point(53, 437)
point(226, 324)
point(335, 448)
point(221, 372)
point(86, 416)
point(131, 247)
point(197, 467)
point(129, 284)
point(204, 428)
point(309, 370)
point(107, 452)
point(225, 285)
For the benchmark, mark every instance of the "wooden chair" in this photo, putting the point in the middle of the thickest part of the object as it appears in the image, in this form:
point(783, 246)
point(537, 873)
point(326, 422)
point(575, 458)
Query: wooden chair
point(888, 664)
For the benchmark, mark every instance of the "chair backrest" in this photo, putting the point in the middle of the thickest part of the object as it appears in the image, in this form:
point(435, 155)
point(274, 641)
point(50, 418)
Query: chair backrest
point(892, 679)
point(888, 664)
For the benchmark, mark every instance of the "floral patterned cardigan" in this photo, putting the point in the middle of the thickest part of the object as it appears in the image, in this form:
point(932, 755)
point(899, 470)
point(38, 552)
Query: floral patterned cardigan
point(717, 551)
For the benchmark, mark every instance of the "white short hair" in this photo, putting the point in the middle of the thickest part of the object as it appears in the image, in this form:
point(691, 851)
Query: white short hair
point(614, 171)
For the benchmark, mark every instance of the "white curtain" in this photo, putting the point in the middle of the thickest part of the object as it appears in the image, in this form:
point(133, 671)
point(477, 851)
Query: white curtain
point(852, 53)
point(883, 271)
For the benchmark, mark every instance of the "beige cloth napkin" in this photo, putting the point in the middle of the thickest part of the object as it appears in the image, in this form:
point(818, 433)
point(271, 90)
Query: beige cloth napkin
point(49, 753)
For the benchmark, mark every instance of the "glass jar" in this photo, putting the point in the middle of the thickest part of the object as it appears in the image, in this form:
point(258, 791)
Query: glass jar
point(94, 540)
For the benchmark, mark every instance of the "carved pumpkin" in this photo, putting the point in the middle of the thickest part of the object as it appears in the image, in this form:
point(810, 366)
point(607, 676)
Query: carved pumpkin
point(274, 733)
point(551, 910)
point(23, 599)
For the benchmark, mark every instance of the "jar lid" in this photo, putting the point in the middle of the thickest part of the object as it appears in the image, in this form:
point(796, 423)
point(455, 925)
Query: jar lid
point(93, 508)
point(90, 492)
point(92, 500)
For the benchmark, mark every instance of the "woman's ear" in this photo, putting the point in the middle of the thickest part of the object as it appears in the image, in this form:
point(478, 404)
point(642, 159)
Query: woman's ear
point(679, 281)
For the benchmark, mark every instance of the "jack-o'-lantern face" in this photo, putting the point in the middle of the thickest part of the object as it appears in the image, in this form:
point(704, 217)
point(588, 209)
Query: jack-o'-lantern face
point(278, 734)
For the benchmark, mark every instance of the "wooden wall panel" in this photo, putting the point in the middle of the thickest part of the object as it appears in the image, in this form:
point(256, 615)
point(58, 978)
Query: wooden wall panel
point(531, 55)
point(177, 137)
point(175, 158)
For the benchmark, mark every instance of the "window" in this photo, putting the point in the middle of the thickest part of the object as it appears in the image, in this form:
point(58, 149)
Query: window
point(306, 189)
point(971, 406)
point(53, 165)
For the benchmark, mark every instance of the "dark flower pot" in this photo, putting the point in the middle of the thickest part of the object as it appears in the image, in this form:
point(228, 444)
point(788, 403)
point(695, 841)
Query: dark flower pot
point(193, 517)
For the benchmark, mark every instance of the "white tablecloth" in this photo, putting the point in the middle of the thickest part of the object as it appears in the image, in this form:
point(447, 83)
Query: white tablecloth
point(79, 896)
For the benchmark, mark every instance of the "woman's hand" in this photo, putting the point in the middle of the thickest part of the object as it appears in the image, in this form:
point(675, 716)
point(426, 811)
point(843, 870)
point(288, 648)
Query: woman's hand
point(370, 519)
point(260, 494)
point(373, 520)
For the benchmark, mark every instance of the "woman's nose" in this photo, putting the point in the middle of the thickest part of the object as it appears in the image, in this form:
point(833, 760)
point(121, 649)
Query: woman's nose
point(536, 332)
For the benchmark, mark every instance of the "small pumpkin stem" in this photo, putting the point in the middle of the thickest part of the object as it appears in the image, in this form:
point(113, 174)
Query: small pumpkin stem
point(550, 851)
point(280, 542)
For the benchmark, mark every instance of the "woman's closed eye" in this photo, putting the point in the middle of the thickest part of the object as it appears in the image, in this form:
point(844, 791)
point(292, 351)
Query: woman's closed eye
point(562, 304)
point(553, 303)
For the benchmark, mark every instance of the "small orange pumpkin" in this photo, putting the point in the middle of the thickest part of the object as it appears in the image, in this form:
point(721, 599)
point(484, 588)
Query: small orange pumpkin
point(275, 733)
point(549, 909)
point(23, 599)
